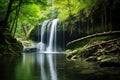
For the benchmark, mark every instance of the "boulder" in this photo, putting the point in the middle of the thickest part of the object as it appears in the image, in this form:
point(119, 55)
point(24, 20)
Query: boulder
point(9, 45)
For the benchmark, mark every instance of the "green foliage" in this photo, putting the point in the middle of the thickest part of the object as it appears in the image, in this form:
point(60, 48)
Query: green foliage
point(34, 11)
point(29, 15)
point(30, 10)
point(76, 6)
point(3, 8)
point(81, 45)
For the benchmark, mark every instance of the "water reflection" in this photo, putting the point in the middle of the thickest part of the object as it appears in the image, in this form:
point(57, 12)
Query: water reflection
point(52, 67)
point(36, 66)
point(46, 63)
point(40, 59)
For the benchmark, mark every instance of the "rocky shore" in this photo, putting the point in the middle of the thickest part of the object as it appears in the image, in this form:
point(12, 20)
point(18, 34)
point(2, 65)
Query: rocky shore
point(105, 53)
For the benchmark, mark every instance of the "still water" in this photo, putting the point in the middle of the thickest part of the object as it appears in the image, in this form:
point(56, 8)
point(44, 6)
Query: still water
point(46, 66)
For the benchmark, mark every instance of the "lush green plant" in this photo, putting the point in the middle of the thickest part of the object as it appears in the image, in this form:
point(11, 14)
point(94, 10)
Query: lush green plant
point(31, 12)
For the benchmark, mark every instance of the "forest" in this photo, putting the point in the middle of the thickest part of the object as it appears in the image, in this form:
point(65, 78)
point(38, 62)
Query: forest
point(80, 17)
point(90, 29)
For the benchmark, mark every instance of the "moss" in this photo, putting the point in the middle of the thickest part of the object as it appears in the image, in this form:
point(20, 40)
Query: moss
point(94, 47)
point(9, 45)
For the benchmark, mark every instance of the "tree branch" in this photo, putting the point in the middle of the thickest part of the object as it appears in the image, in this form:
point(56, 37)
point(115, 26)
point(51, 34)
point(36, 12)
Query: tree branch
point(93, 35)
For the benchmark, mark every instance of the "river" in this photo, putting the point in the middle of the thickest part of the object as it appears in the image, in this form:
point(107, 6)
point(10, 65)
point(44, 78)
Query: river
point(47, 66)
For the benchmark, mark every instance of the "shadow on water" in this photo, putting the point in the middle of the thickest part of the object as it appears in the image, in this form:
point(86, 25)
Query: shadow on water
point(39, 66)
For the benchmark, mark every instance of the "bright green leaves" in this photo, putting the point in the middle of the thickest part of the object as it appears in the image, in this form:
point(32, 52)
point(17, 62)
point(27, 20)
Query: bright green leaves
point(64, 7)
point(34, 11)
point(75, 6)
point(28, 18)
point(30, 12)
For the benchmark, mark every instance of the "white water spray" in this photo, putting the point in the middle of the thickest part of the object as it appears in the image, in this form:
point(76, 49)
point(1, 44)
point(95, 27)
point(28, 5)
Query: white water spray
point(52, 37)
point(51, 27)
point(41, 45)
point(52, 47)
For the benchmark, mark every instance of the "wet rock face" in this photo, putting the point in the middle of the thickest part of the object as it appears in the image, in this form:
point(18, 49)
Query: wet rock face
point(9, 45)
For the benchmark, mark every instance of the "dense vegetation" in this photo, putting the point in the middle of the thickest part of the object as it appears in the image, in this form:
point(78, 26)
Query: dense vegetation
point(80, 17)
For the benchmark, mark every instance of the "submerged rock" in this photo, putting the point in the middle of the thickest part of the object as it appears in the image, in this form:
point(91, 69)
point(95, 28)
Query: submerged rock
point(28, 46)
point(30, 49)
point(110, 62)
point(90, 71)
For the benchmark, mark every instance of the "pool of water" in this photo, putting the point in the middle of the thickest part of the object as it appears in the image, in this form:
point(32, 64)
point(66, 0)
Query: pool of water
point(47, 66)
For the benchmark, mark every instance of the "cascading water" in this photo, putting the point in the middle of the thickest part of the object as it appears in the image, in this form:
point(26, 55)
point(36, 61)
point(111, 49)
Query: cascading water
point(41, 45)
point(51, 44)
point(43, 28)
point(48, 27)
point(52, 38)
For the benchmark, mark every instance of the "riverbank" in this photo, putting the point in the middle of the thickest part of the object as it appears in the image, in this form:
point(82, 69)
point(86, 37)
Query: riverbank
point(9, 45)
point(104, 50)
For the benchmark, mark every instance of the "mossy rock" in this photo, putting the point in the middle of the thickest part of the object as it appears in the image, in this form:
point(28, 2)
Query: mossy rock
point(30, 50)
point(9, 45)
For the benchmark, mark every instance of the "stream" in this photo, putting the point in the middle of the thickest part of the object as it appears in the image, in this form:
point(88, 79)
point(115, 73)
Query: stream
point(47, 66)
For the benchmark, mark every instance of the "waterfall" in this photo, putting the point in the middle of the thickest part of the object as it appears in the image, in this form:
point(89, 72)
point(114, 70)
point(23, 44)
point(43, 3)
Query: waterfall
point(48, 44)
point(41, 45)
point(52, 37)
point(50, 28)
point(43, 28)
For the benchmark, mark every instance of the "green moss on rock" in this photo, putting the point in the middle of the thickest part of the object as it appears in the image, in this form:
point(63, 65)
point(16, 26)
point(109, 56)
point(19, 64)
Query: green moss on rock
point(9, 45)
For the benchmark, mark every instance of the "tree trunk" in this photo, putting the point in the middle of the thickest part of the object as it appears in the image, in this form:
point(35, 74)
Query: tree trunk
point(8, 13)
point(14, 21)
point(102, 19)
point(91, 24)
point(93, 35)
point(88, 27)
point(14, 25)
point(69, 21)
point(110, 18)
point(79, 25)
point(105, 16)
point(24, 29)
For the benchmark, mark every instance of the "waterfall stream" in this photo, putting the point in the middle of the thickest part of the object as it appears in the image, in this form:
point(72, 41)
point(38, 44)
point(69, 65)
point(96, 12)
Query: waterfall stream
point(52, 37)
point(48, 27)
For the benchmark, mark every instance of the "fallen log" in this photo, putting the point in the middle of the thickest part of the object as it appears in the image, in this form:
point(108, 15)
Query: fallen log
point(93, 35)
